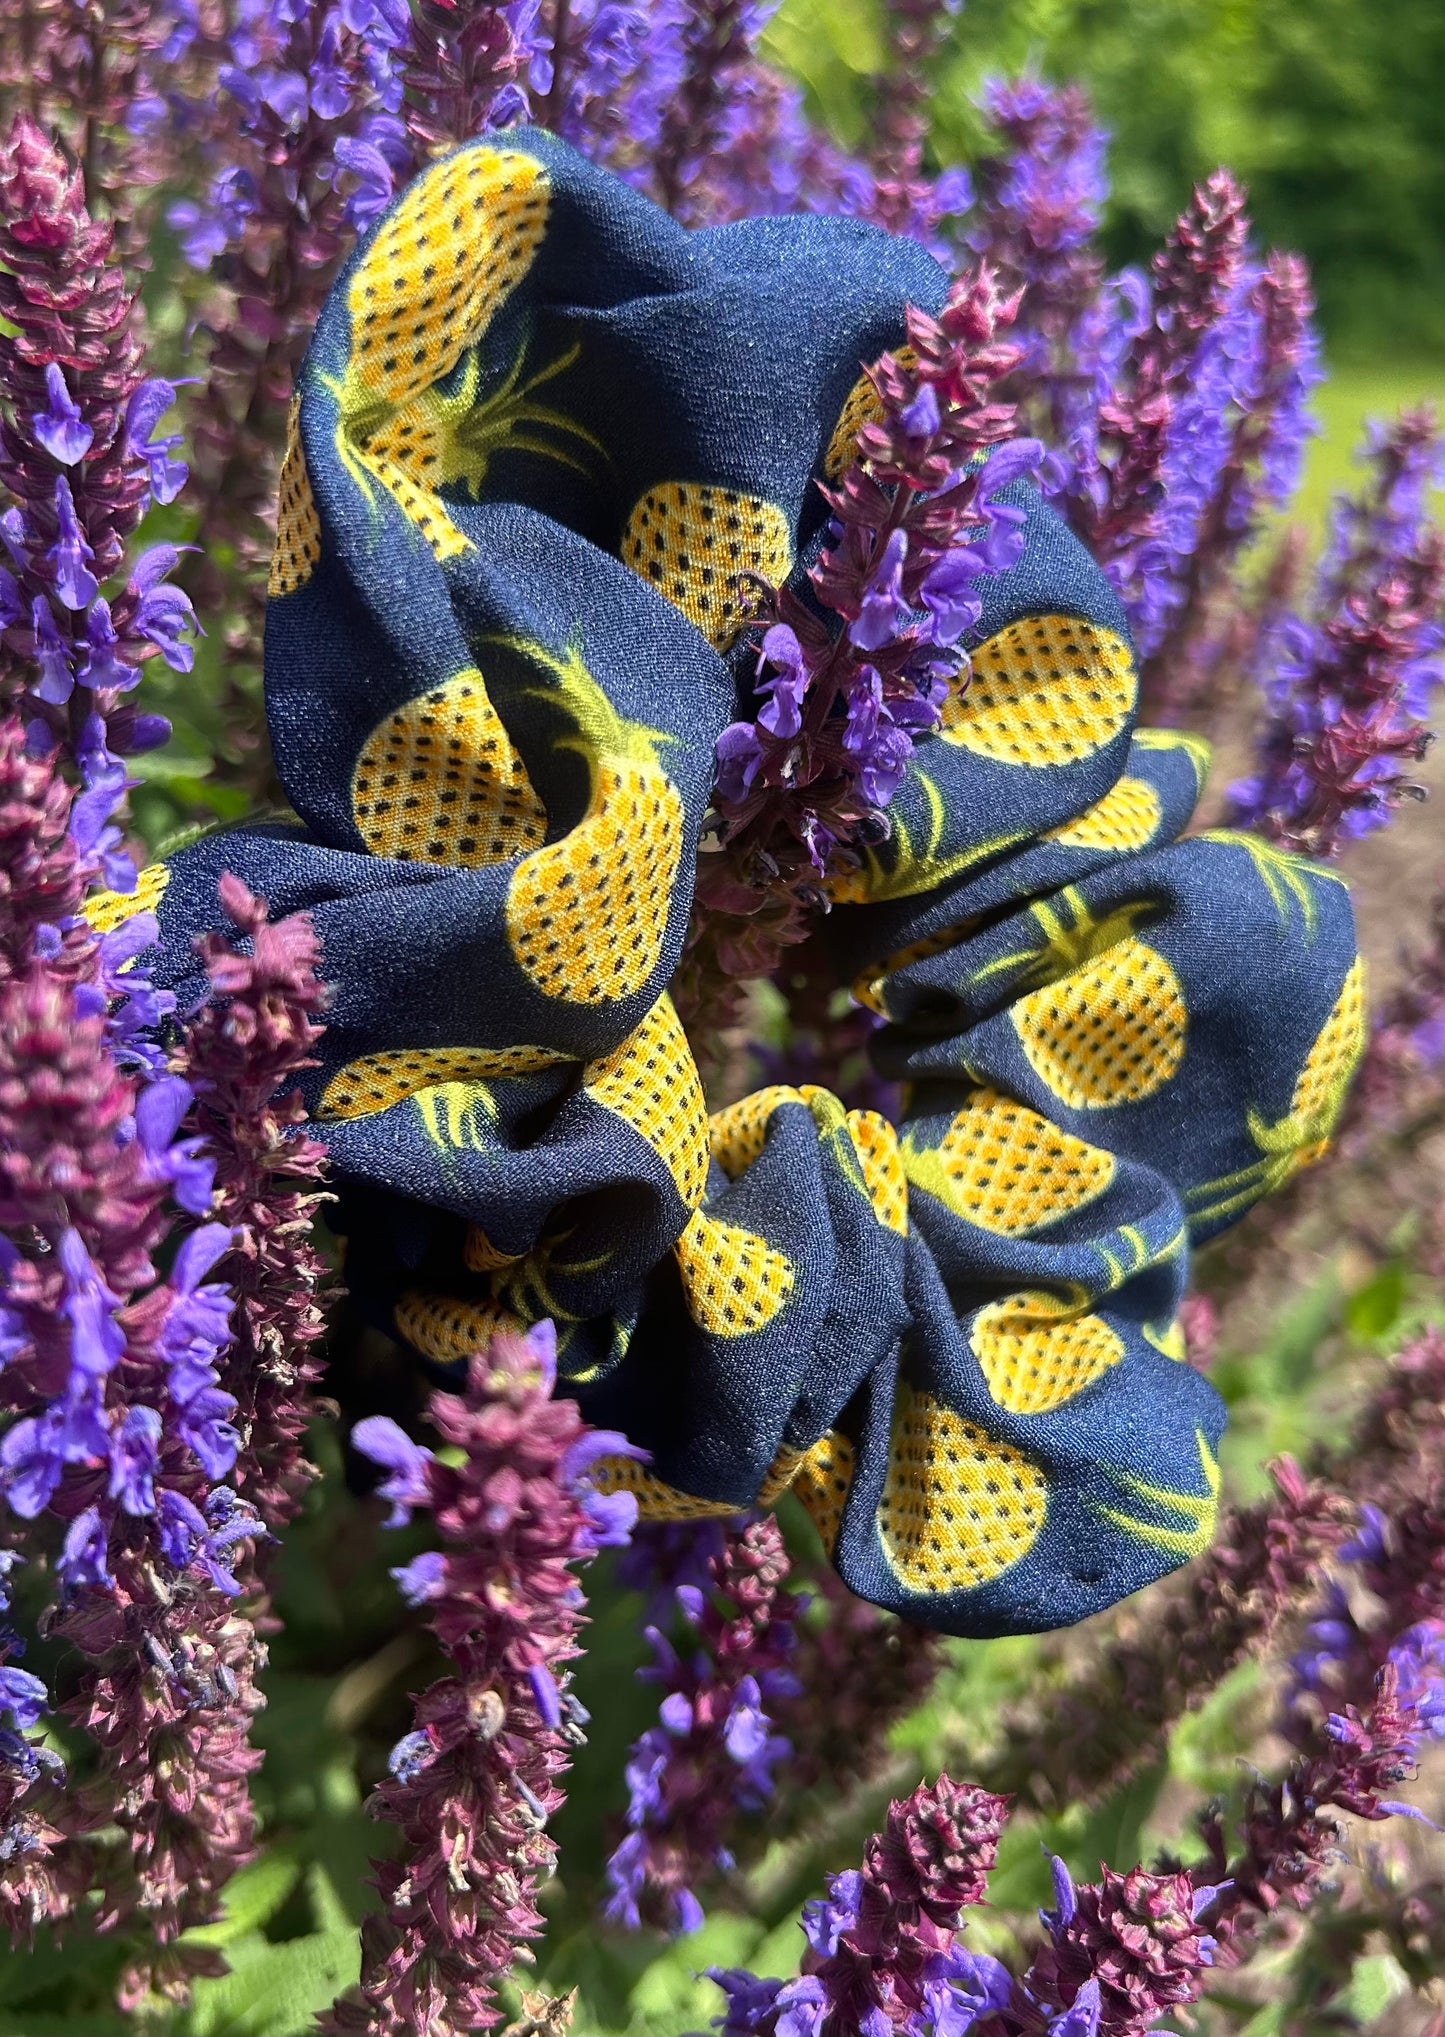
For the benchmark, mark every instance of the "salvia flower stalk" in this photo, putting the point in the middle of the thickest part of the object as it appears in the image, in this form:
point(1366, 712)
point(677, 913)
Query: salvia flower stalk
point(844, 693)
point(80, 459)
point(241, 1051)
point(884, 1945)
point(1041, 191)
point(1347, 689)
point(474, 1783)
point(881, 1951)
point(120, 1447)
point(711, 1756)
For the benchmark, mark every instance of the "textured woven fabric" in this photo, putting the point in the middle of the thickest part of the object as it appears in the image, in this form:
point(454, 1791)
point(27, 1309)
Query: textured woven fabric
point(540, 432)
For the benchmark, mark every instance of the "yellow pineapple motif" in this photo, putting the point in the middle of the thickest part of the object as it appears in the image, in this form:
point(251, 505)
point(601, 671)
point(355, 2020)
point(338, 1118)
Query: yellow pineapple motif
point(1006, 1169)
point(420, 505)
point(1112, 1031)
point(884, 1175)
point(1196, 1511)
point(440, 781)
point(1045, 691)
point(735, 1282)
point(107, 910)
point(651, 1082)
point(861, 406)
point(1302, 1135)
point(374, 1082)
point(587, 916)
point(656, 1499)
point(1124, 819)
point(821, 1482)
point(781, 1473)
point(1320, 1086)
point(298, 527)
point(958, 1508)
point(692, 539)
point(1037, 1351)
point(738, 1133)
point(445, 1328)
point(450, 254)
point(659, 1501)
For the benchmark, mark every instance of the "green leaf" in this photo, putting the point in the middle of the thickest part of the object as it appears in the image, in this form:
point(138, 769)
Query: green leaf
point(1375, 1982)
point(1372, 1310)
point(48, 1966)
point(251, 1898)
point(275, 1990)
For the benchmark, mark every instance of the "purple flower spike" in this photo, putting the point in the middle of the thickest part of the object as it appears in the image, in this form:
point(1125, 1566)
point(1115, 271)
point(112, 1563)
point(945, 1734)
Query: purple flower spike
point(1081, 2018)
point(99, 663)
point(711, 1754)
point(781, 712)
point(61, 427)
point(412, 1755)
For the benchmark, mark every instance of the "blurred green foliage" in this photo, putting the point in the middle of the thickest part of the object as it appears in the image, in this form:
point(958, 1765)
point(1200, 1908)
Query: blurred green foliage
point(1329, 110)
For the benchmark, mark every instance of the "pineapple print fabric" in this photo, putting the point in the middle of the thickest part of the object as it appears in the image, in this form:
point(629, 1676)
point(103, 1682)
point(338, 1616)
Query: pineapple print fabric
point(541, 440)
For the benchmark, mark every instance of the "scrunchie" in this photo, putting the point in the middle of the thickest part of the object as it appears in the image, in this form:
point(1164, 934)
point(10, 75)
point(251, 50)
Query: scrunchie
point(540, 432)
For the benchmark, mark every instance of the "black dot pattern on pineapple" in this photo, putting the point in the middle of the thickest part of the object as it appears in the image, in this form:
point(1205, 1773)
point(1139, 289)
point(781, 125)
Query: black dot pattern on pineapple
point(1043, 692)
point(735, 1282)
point(446, 258)
point(693, 541)
point(958, 1507)
point(861, 406)
point(822, 1482)
point(412, 441)
point(656, 1500)
point(739, 1131)
point(1112, 1031)
point(298, 527)
point(1011, 1170)
point(651, 1082)
point(587, 916)
point(1123, 821)
point(448, 1329)
point(1035, 1356)
point(1331, 1060)
point(440, 781)
point(374, 1082)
